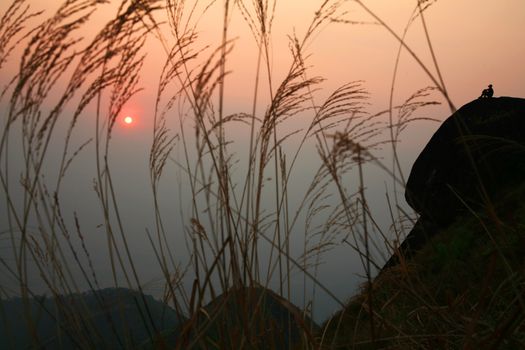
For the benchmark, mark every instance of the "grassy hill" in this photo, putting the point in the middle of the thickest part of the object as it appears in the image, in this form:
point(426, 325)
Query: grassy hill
point(464, 289)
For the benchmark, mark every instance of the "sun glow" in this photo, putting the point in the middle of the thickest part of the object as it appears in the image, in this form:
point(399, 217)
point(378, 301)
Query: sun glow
point(128, 120)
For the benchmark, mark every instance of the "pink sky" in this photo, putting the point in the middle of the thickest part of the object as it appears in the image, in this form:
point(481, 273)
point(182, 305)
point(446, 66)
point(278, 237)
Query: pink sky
point(476, 43)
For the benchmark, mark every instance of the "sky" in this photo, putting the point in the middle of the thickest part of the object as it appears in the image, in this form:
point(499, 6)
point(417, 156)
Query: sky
point(476, 43)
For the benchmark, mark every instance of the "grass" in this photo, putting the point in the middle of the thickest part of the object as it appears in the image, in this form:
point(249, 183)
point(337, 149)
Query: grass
point(463, 289)
point(236, 241)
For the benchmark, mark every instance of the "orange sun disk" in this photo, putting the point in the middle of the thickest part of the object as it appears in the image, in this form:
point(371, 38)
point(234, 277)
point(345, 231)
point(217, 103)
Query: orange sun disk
point(128, 120)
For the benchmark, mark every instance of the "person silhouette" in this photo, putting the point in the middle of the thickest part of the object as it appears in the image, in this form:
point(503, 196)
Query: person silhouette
point(488, 92)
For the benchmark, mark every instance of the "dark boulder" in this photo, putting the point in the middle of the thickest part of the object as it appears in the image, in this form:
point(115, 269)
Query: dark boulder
point(476, 154)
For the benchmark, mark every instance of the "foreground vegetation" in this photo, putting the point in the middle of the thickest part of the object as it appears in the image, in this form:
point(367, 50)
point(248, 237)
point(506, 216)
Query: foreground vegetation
point(464, 289)
point(242, 233)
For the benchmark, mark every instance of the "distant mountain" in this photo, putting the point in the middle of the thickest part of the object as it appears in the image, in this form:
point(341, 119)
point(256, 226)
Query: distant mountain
point(112, 318)
point(248, 318)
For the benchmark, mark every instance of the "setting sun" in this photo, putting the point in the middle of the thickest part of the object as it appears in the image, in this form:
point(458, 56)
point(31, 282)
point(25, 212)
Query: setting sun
point(128, 120)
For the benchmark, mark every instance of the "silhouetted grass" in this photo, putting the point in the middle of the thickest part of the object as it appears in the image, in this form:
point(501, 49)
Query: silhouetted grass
point(464, 289)
point(238, 246)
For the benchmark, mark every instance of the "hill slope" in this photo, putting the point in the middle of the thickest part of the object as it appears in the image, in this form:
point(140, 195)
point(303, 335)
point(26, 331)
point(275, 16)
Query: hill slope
point(459, 279)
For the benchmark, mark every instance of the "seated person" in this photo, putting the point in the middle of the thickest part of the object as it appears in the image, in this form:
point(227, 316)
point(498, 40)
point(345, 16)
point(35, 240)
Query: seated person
point(487, 93)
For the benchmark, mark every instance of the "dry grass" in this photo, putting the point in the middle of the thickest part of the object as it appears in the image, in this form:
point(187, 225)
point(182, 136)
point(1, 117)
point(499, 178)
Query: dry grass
point(463, 290)
point(235, 241)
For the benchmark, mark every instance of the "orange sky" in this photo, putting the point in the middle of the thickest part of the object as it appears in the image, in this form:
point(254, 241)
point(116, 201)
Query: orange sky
point(476, 41)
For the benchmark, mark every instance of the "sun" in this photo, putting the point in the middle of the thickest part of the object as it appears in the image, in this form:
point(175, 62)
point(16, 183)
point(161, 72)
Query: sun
point(128, 120)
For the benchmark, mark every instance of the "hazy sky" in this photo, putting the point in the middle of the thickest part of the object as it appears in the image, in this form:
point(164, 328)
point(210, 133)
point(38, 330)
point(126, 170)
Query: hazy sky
point(476, 42)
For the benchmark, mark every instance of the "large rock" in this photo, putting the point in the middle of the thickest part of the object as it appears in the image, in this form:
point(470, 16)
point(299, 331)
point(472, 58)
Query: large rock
point(476, 156)
point(478, 152)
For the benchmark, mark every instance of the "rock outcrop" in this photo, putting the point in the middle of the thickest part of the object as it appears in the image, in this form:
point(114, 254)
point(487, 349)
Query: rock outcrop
point(458, 285)
point(476, 155)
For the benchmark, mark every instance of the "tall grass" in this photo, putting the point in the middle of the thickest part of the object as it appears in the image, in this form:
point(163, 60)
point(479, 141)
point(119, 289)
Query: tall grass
point(236, 241)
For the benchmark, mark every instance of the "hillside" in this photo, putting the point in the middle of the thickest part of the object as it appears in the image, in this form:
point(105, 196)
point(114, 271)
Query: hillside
point(463, 289)
point(458, 281)
point(245, 318)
